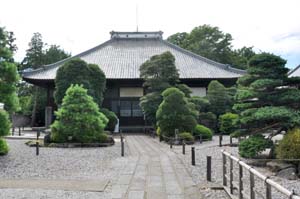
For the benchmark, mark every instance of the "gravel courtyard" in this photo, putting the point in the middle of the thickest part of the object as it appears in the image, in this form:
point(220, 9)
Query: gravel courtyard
point(150, 169)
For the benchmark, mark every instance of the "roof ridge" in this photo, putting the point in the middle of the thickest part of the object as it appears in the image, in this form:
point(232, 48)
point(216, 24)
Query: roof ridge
point(53, 65)
point(220, 65)
point(293, 70)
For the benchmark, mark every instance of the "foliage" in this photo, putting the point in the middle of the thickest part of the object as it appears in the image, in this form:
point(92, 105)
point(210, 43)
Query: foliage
point(149, 104)
point(8, 72)
point(174, 113)
point(25, 105)
point(212, 43)
point(202, 104)
point(38, 55)
point(186, 136)
point(185, 89)
point(112, 119)
point(78, 117)
point(289, 146)
point(228, 123)
point(4, 148)
point(202, 130)
point(35, 54)
point(265, 98)
point(252, 146)
point(208, 119)
point(77, 71)
point(4, 123)
point(220, 100)
point(158, 73)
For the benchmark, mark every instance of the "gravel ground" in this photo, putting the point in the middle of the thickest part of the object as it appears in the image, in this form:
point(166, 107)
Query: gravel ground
point(59, 163)
point(212, 149)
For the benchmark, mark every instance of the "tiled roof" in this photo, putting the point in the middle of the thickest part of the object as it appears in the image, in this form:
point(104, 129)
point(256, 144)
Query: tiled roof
point(122, 55)
point(295, 72)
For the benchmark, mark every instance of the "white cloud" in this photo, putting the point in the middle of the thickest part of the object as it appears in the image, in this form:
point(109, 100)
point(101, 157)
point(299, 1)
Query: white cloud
point(79, 25)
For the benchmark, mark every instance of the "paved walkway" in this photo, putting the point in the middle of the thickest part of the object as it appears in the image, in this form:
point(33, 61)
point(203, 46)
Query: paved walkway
point(153, 172)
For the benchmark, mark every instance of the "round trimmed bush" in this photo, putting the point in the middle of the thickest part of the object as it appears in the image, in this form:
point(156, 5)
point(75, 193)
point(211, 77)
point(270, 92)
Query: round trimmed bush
point(289, 146)
point(4, 123)
point(228, 123)
point(112, 119)
point(204, 131)
point(252, 146)
point(186, 136)
point(3, 147)
point(78, 119)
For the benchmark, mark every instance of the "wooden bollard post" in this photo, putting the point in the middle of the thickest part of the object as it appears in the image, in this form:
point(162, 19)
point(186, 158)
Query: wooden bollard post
point(13, 131)
point(171, 144)
point(230, 140)
point(160, 138)
point(183, 148)
point(200, 139)
point(193, 156)
point(19, 131)
point(37, 148)
point(220, 140)
point(122, 146)
point(208, 168)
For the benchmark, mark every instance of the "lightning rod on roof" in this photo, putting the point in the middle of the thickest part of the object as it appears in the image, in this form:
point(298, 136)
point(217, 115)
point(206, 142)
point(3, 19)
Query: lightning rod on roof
point(136, 17)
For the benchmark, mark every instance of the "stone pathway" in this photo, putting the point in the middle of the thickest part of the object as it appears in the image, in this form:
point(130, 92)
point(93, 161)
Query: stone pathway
point(153, 172)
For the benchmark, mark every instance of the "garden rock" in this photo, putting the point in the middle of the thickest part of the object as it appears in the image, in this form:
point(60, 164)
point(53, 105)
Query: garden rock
point(256, 162)
point(278, 166)
point(288, 173)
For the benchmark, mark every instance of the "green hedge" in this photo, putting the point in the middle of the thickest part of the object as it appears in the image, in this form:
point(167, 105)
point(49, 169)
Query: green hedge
point(112, 119)
point(204, 131)
point(3, 147)
point(289, 146)
point(252, 146)
point(186, 136)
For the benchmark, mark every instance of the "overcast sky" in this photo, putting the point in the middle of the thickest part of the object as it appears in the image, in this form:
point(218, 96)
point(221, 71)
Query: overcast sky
point(77, 25)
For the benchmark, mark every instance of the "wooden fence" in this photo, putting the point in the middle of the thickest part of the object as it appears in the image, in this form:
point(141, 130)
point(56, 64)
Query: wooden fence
point(230, 185)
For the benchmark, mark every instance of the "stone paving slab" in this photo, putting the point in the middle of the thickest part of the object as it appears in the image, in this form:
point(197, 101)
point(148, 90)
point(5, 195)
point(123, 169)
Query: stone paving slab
point(67, 185)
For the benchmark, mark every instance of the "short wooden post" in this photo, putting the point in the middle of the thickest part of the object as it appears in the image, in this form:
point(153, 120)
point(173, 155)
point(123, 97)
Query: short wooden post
point(230, 140)
point(37, 151)
point(19, 131)
point(193, 156)
point(231, 175)
point(224, 170)
point(208, 168)
point(241, 182)
point(122, 146)
point(183, 148)
point(13, 131)
point(252, 193)
point(268, 191)
point(220, 140)
point(160, 138)
point(171, 143)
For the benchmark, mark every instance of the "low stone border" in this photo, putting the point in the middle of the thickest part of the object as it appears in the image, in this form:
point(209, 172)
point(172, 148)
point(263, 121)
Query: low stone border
point(32, 143)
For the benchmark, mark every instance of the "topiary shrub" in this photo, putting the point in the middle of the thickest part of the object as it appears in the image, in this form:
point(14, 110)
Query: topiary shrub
point(289, 146)
point(3, 147)
point(174, 113)
point(78, 119)
point(4, 123)
point(228, 123)
point(252, 146)
point(112, 119)
point(204, 131)
point(186, 136)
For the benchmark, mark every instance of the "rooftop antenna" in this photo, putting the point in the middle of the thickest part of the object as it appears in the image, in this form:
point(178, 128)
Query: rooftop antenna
point(137, 17)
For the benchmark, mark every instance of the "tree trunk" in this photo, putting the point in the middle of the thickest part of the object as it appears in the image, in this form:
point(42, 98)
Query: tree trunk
point(33, 114)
